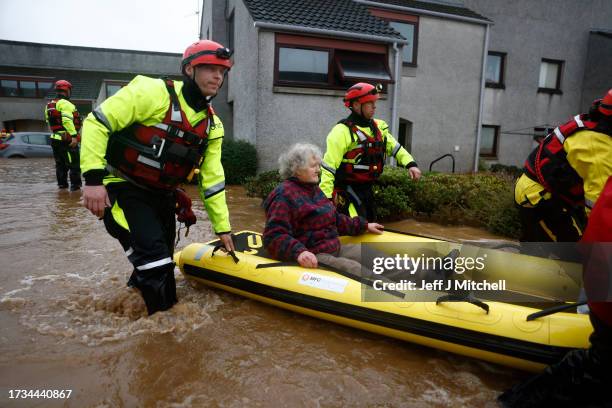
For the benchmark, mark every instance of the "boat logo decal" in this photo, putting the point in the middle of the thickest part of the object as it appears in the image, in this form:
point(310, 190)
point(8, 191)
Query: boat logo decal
point(323, 282)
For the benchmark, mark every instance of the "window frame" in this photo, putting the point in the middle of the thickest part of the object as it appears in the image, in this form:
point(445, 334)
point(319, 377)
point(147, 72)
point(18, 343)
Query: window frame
point(120, 83)
point(404, 18)
point(330, 46)
point(284, 82)
point(39, 92)
point(501, 84)
point(347, 78)
point(495, 149)
point(557, 90)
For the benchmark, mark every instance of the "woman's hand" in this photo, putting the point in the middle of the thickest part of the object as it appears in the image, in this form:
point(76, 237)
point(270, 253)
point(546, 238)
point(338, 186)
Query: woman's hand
point(375, 228)
point(307, 260)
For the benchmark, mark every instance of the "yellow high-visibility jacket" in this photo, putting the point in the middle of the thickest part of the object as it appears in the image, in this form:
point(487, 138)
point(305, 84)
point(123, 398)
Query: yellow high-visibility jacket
point(590, 154)
point(67, 109)
point(146, 100)
point(339, 142)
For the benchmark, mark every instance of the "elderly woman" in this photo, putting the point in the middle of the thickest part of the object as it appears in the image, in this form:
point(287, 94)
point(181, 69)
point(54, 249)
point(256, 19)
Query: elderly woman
point(302, 224)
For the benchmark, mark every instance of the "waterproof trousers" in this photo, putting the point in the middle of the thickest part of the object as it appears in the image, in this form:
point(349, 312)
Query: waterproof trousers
point(149, 243)
point(356, 200)
point(550, 221)
point(66, 160)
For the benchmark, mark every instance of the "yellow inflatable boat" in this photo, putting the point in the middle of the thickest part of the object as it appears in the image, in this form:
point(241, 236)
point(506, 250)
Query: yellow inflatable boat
point(527, 334)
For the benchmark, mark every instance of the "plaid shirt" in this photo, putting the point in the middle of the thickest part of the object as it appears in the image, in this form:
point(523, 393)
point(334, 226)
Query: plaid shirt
point(300, 218)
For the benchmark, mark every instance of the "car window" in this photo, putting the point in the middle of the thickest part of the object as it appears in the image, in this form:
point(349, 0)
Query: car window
point(25, 138)
point(37, 139)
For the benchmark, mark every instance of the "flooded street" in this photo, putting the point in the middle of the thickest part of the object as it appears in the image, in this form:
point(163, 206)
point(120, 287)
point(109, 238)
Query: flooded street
point(69, 323)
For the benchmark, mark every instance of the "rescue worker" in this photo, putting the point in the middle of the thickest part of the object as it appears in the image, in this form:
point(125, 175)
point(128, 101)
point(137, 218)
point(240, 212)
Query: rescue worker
point(583, 377)
point(64, 122)
point(564, 175)
point(357, 148)
point(138, 146)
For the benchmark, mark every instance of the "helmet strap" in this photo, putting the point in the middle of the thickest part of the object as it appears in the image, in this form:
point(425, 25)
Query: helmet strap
point(358, 119)
point(192, 94)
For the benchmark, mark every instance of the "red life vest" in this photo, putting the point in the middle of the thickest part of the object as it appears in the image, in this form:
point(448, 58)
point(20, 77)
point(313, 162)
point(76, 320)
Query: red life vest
point(54, 116)
point(368, 156)
point(547, 164)
point(163, 155)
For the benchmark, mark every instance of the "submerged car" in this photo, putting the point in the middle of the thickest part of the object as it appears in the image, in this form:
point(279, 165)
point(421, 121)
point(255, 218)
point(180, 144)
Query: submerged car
point(26, 144)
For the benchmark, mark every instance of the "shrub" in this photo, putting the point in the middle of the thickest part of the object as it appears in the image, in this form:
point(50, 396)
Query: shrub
point(263, 184)
point(239, 160)
point(502, 168)
point(484, 200)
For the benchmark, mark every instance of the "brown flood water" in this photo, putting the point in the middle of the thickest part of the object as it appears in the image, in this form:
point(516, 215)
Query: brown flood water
point(68, 322)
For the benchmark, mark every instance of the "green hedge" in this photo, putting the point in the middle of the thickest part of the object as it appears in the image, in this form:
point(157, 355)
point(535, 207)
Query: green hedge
point(239, 160)
point(484, 200)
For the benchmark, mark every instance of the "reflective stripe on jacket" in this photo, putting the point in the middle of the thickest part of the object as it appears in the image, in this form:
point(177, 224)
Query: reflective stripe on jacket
point(146, 100)
point(340, 141)
point(67, 110)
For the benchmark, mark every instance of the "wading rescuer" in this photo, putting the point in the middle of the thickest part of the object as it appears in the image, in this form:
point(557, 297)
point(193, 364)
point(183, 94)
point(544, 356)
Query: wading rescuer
point(565, 175)
point(357, 148)
point(138, 146)
point(64, 121)
point(583, 377)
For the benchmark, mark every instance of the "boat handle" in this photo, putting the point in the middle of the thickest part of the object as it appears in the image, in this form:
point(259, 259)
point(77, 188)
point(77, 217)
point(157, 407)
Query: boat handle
point(454, 297)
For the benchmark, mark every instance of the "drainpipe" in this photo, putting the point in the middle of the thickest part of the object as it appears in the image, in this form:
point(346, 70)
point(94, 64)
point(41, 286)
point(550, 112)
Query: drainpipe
point(485, 50)
point(394, 99)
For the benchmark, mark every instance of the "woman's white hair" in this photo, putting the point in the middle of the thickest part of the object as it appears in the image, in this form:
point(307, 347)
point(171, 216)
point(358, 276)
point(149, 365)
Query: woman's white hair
point(296, 158)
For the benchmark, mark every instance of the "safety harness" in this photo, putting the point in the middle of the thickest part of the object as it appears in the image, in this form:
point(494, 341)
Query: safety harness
point(54, 117)
point(366, 161)
point(547, 164)
point(163, 155)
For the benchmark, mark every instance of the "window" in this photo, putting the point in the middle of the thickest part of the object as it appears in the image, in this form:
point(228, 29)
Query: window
point(494, 73)
point(550, 76)
point(328, 63)
point(302, 65)
point(112, 87)
point(488, 141)
point(24, 87)
point(408, 31)
point(36, 139)
point(408, 26)
point(353, 66)
point(9, 88)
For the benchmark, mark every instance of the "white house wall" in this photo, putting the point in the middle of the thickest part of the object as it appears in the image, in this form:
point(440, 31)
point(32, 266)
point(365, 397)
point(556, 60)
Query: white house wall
point(528, 31)
point(288, 118)
point(242, 87)
point(441, 95)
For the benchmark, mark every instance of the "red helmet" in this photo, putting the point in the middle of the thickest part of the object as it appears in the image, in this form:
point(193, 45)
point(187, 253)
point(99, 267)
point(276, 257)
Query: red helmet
point(605, 106)
point(362, 92)
point(63, 85)
point(206, 52)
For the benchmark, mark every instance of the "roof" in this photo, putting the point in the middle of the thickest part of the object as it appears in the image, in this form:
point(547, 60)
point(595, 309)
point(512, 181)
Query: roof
point(85, 84)
point(68, 57)
point(336, 15)
point(435, 7)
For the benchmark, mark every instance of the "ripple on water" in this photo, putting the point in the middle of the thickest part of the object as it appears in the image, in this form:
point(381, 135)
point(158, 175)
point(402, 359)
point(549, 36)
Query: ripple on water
point(98, 309)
